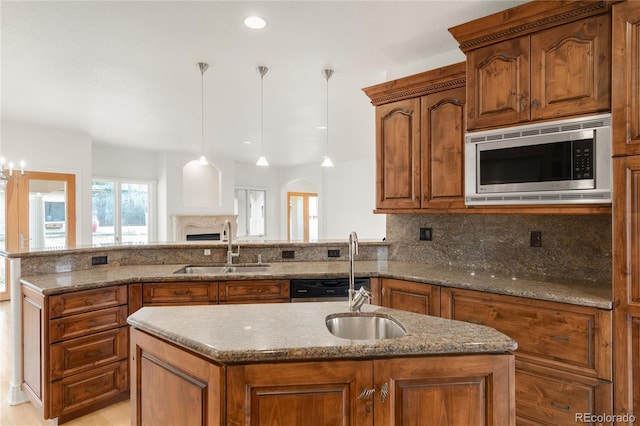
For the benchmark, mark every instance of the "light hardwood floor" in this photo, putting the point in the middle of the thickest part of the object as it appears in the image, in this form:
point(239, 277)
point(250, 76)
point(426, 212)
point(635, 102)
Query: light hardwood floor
point(27, 414)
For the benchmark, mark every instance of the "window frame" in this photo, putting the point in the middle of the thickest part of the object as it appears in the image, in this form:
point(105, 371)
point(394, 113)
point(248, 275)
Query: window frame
point(117, 208)
point(246, 213)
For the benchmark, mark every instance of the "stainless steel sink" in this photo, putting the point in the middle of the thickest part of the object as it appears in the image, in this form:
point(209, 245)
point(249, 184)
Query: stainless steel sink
point(364, 326)
point(221, 269)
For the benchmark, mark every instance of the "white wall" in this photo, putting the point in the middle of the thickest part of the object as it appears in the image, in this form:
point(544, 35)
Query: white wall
point(57, 151)
point(116, 161)
point(428, 64)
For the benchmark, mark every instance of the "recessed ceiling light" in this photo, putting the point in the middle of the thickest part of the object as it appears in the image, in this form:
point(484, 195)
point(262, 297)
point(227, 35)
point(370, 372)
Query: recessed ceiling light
point(321, 127)
point(255, 22)
point(247, 142)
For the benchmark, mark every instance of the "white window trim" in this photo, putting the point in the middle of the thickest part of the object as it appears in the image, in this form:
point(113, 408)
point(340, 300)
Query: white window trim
point(266, 193)
point(153, 205)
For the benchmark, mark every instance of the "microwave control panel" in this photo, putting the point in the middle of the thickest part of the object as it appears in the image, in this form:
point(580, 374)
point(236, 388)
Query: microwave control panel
point(583, 159)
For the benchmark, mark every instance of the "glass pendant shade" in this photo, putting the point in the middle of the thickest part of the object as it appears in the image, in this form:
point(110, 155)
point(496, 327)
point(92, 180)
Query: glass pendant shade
point(327, 162)
point(262, 161)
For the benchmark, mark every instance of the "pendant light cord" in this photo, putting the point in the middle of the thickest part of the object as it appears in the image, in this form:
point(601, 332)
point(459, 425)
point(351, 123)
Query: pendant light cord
point(202, 108)
point(261, 115)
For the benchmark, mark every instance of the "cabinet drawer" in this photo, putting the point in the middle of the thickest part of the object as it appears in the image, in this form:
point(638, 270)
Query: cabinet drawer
point(90, 388)
point(84, 353)
point(83, 324)
point(257, 290)
point(576, 336)
point(547, 396)
point(87, 300)
point(179, 292)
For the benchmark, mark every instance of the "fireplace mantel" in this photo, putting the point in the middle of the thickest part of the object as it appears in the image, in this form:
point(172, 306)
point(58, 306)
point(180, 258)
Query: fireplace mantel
point(193, 225)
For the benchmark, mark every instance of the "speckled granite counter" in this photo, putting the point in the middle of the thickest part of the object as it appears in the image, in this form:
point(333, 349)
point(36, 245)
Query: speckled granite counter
point(272, 332)
point(585, 293)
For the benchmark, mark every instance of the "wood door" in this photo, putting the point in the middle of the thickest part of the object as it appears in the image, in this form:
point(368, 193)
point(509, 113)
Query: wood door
point(498, 85)
point(625, 105)
point(626, 284)
point(303, 393)
point(411, 296)
point(449, 390)
point(302, 216)
point(571, 69)
point(443, 129)
point(398, 155)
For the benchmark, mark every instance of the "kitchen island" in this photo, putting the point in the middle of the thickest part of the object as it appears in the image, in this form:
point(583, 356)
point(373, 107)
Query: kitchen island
point(279, 364)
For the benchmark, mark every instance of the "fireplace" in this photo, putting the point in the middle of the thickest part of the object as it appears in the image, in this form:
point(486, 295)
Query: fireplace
point(202, 228)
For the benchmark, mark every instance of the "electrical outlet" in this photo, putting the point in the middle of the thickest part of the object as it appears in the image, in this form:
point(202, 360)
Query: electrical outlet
point(288, 254)
point(98, 260)
point(333, 253)
point(535, 239)
point(426, 234)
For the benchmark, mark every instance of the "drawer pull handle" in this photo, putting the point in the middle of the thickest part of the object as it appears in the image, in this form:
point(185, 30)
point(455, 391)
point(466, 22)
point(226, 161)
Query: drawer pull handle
point(474, 321)
point(384, 392)
point(560, 406)
point(92, 354)
point(558, 337)
point(366, 393)
point(92, 323)
point(90, 301)
point(181, 293)
point(254, 291)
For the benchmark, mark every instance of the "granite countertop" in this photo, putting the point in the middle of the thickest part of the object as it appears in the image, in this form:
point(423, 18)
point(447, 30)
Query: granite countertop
point(577, 292)
point(230, 334)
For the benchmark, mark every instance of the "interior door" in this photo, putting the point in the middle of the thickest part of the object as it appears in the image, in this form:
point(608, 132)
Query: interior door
point(40, 212)
point(302, 216)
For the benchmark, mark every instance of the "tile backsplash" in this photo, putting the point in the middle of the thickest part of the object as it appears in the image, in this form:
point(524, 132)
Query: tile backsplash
point(573, 246)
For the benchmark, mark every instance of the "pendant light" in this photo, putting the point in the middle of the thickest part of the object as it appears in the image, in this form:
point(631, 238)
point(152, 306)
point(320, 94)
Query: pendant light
point(262, 161)
point(201, 180)
point(203, 67)
point(327, 73)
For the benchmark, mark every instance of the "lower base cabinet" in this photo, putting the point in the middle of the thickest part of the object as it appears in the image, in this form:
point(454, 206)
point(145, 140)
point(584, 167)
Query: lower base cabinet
point(174, 386)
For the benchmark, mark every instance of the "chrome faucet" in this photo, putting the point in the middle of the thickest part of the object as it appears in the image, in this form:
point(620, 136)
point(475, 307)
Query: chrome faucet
point(356, 298)
point(226, 231)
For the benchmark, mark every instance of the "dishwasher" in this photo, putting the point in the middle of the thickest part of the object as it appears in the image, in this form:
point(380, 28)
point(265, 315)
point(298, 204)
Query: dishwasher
point(323, 289)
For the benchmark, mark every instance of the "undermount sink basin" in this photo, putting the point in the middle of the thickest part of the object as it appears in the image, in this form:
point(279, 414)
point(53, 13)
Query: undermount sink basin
point(364, 326)
point(221, 269)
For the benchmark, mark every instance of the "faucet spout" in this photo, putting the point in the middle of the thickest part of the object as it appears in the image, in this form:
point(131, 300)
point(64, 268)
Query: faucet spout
point(226, 231)
point(354, 305)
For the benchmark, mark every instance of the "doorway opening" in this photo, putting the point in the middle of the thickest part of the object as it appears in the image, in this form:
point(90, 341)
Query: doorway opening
point(302, 216)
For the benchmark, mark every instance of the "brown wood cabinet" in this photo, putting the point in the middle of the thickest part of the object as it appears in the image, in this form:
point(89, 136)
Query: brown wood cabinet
point(181, 293)
point(564, 356)
point(542, 60)
point(173, 385)
point(76, 350)
point(254, 291)
point(626, 208)
point(411, 296)
point(420, 140)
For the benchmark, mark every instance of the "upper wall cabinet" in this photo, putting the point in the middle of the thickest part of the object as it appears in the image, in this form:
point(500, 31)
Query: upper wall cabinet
point(626, 84)
point(420, 140)
point(542, 60)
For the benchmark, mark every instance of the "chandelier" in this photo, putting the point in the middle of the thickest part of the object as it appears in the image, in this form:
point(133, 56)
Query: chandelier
point(6, 174)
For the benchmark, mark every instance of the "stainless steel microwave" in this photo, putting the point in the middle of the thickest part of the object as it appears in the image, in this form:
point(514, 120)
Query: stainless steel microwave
point(559, 162)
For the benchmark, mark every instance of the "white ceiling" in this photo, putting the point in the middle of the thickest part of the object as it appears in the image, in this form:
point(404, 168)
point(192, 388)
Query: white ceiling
point(125, 72)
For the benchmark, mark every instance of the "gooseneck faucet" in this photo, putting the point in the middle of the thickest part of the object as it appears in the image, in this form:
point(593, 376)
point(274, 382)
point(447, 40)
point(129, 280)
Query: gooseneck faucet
point(226, 231)
point(356, 298)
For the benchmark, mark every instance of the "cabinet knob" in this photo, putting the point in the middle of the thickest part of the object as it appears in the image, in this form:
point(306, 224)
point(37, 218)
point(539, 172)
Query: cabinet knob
point(523, 105)
point(535, 104)
point(366, 393)
point(384, 392)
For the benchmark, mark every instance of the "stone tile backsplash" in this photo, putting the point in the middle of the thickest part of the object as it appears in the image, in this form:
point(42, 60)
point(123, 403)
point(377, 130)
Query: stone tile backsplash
point(573, 246)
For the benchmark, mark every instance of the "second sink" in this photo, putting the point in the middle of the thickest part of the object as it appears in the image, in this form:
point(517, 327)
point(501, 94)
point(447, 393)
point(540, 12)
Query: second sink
point(221, 269)
point(364, 326)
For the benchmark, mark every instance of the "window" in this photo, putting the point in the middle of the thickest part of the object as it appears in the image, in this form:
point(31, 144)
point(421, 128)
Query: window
point(122, 211)
point(250, 206)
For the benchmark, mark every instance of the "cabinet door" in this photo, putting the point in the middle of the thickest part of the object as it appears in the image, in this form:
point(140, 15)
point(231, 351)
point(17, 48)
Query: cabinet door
point(307, 393)
point(498, 84)
point(626, 284)
point(453, 390)
point(571, 69)
point(442, 130)
point(625, 105)
point(411, 296)
point(170, 386)
point(398, 154)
